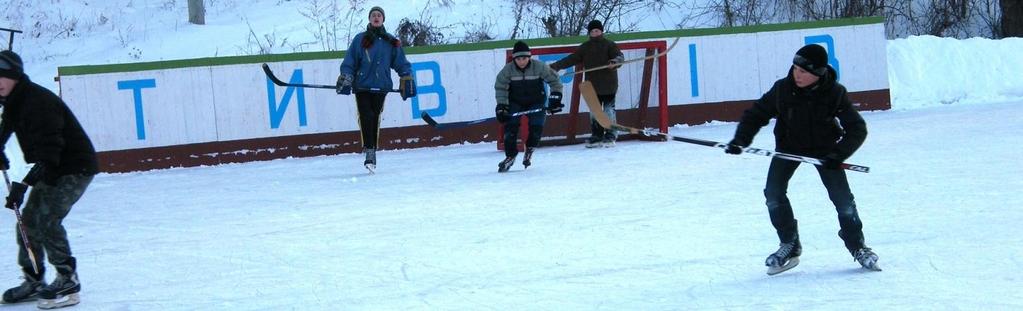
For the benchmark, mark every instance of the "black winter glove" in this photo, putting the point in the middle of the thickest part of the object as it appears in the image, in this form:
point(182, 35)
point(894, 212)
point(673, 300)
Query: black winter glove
point(5, 164)
point(735, 147)
point(501, 111)
point(407, 87)
point(344, 84)
point(832, 161)
point(554, 104)
point(16, 196)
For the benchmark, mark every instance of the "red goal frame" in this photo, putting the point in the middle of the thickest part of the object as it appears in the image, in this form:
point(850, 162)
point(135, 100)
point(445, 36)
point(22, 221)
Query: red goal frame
point(573, 127)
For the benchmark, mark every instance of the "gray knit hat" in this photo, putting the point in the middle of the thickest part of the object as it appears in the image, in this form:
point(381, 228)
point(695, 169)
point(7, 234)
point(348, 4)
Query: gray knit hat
point(379, 9)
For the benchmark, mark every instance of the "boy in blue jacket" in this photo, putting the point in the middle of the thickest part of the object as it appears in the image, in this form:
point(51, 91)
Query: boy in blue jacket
point(366, 71)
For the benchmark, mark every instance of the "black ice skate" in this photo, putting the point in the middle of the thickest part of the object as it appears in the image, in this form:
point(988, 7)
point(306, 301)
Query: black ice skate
point(27, 291)
point(787, 257)
point(63, 292)
point(528, 159)
point(505, 164)
point(594, 142)
point(866, 258)
point(371, 160)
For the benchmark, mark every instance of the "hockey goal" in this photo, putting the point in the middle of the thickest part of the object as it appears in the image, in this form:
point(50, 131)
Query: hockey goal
point(641, 101)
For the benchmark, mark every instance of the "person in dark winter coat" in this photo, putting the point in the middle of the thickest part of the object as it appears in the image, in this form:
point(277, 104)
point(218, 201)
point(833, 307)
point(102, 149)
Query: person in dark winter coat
point(814, 118)
point(519, 86)
point(64, 163)
point(366, 72)
point(595, 52)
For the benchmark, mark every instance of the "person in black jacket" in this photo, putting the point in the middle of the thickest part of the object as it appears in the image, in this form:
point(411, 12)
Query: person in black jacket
point(814, 118)
point(64, 163)
point(598, 51)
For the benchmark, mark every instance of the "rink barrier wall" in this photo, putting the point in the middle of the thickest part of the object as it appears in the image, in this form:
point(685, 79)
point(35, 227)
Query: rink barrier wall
point(209, 111)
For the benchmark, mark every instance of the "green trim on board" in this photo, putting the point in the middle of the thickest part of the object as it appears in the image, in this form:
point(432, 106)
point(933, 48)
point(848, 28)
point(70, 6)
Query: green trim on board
point(465, 47)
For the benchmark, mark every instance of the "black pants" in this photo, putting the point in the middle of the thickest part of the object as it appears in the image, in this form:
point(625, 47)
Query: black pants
point(511, 129)
point(43, 215)
point(370, 106)
point(838, 190)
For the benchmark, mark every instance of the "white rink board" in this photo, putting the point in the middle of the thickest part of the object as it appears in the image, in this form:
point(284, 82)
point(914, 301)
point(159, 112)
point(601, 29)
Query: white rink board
point(218, 103)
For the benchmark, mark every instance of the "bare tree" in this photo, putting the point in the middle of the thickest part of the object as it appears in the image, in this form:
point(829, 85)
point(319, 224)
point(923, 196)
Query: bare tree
point(1012, 18)
point(743, 12)
point(196, 12)
point(421, 32)
point(560, 18)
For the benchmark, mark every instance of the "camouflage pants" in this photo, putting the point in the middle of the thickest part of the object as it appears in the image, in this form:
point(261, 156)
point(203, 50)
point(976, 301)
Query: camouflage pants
point(43, 215)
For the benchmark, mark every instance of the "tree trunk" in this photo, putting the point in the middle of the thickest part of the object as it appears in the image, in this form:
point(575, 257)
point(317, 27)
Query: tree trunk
point(1012, 18)
point(196, 12)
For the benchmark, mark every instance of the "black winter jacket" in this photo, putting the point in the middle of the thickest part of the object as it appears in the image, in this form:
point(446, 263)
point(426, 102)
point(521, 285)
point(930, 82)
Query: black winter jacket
point(595, 52)
point(815, 121)
point(47, 131)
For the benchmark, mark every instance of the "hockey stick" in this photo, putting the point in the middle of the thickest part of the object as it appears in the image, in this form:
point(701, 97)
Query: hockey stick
point(275, 80)
point(662, 53)
point(590, 96)
point(21, 227)
point(443, 126)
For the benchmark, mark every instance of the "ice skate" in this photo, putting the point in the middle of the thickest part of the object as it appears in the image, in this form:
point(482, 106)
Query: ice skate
point(27, 291)
point(63, 292)
point(371, 160)
point(506, 164)
point(867, 258)
point(593, 143)
point(528, 159)
point(608, 143)
point(787, 257)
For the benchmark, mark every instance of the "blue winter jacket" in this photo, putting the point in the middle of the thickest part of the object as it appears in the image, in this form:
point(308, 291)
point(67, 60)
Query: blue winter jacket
point(370, 67)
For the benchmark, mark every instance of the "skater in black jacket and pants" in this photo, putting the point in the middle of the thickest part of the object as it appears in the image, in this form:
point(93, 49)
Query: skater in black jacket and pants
point(64, 164)
point(814, 118)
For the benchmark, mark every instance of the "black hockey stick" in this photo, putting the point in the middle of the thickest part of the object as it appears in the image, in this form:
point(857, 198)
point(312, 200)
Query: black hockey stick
point(21, 227)
point(275, 80)
point(590, 96)
point(443, 126)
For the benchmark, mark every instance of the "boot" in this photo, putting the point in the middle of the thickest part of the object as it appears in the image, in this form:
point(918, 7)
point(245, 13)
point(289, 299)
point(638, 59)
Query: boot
point(62, 292)
point(27, 291)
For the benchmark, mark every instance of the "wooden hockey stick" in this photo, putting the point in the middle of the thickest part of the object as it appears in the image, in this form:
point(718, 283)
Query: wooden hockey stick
point(659, 54)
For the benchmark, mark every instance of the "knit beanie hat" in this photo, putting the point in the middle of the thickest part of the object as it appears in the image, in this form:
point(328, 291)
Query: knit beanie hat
point(379, 9)
point(521, 49)
point(594, 24)
point(10, 65)
point(812, 58)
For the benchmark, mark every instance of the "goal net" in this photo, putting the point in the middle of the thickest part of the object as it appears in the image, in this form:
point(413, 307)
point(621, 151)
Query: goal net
point(641, 100)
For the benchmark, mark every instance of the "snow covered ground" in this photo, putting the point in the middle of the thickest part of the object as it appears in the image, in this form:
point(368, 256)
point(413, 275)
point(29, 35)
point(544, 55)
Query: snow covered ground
point(643, 226)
